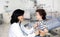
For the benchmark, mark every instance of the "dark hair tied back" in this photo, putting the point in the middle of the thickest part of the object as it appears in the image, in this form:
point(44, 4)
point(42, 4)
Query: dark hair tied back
point(16, 13)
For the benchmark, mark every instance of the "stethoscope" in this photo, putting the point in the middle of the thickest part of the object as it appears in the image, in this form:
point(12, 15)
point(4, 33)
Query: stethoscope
point(24, 33)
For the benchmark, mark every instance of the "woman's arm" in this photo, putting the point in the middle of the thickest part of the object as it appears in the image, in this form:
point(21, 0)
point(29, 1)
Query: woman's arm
point(16, 31)
point(41, 32)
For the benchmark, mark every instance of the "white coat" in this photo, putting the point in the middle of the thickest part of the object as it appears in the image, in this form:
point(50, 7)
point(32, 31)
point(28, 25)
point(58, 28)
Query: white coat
point(15, 31)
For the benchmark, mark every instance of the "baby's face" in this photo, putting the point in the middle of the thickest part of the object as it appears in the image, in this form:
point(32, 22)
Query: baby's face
point(38, 16)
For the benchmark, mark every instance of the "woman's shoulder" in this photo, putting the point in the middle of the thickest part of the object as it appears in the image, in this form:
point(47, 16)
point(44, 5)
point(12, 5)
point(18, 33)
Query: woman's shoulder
point(14, 25)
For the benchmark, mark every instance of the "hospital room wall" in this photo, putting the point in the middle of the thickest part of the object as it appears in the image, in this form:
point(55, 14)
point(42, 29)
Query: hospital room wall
point(14, 4)
point(52, 7)
point(50, 4)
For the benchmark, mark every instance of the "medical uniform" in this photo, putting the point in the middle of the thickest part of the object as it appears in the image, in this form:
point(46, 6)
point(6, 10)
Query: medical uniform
point(15, 30)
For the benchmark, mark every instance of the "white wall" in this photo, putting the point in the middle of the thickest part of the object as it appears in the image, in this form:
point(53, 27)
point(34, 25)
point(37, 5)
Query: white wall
point(15, 4)
point(50, 5)
point(22, 4)
point(57, 5)
point(1, 6)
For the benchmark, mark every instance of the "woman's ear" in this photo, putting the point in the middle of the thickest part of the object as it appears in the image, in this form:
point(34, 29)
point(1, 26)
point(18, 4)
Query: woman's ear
point(18, 18)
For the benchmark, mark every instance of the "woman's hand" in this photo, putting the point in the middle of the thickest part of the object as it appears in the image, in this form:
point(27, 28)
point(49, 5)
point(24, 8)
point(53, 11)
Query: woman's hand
point(43, 33)
point(37, 32)
point(35, 26)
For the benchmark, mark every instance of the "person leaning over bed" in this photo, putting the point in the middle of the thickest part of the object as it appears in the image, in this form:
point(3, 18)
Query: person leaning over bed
point(41, 16)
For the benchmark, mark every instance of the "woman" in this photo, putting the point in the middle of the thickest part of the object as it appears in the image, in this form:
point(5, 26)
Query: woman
point(15, 29)
point(41, 17)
